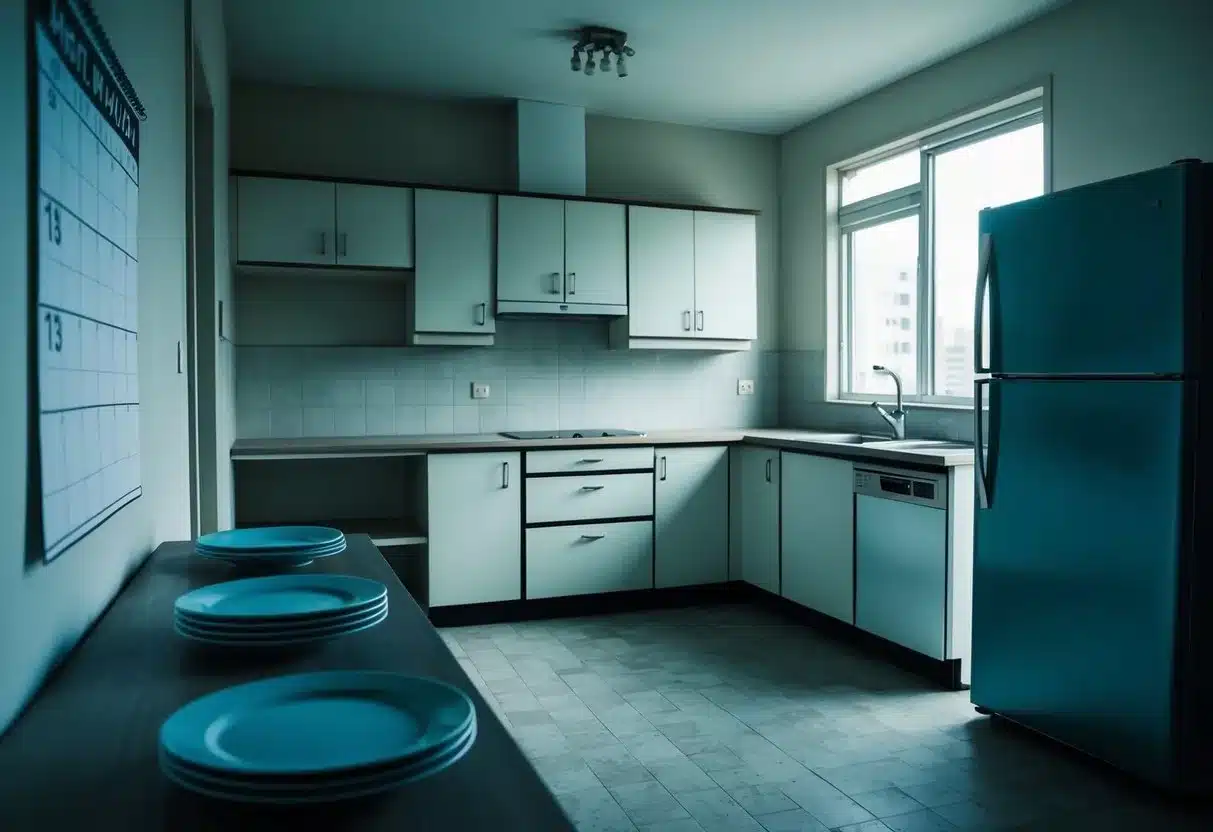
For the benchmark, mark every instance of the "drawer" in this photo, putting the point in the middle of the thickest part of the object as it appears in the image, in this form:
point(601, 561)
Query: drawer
point(596, 497)
point(589, 558)
point(589, 460)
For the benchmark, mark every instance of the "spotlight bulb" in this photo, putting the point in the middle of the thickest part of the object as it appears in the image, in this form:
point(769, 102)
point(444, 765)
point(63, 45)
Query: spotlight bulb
point(576, 62)
point(589, 64)
point(605, 66)
point(620, 67)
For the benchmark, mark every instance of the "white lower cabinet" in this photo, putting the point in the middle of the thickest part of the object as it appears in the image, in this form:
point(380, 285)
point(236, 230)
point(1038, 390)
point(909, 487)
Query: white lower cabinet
point(592, 497)
point(760, 517)
point(474, 528)
point(818, 534)
point(691, 518)
point(588, 558)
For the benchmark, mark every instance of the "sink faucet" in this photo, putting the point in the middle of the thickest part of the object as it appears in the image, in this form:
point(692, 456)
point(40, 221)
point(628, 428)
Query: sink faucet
point(896, 419)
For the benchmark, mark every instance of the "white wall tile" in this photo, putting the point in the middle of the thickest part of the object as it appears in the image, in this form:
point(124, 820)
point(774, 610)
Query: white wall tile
point(380, 394)
point(286, 421)
point(282, 394)
point(440, 392)
point(410, 391)
point(440, 419)
point(466, 419)
point(380, 421)
point(350, 421)
point(410, 420)
point(493, 419)
point(319, 421)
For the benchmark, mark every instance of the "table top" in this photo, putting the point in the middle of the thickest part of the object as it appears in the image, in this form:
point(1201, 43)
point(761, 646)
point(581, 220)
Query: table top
point(83, 756)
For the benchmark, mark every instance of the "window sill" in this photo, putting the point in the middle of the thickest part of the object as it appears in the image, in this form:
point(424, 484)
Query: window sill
point(946, 408)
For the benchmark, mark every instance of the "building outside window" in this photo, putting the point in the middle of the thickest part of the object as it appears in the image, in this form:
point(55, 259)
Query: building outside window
point(910, 216)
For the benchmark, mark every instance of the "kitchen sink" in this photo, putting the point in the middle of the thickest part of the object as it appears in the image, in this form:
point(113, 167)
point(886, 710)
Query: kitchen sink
point(925, 445)
point(848, 438)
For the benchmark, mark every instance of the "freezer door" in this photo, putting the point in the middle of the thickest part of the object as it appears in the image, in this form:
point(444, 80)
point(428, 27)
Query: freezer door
point(1089, 280)
point(1075, 564)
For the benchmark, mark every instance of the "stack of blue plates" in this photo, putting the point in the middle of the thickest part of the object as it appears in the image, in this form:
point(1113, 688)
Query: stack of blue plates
point(280, 610)
point(272, 546)
point(316, 737)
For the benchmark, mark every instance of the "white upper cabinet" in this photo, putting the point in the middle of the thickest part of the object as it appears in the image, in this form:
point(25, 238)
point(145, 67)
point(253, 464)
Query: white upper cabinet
point(726, 276)
point(692, 280)
point(286, 221)
point(374, 226)
point(661, 272)
point(453, 283)
point(595, 253)
point(530, 249)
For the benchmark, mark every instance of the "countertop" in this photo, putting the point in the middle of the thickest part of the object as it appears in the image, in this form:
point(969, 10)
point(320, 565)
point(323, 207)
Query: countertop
point(947, 456)
point(83, 755)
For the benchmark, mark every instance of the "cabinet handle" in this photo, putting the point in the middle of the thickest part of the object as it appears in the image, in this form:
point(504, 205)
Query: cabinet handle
point(663, 468)
point(505, 475)
point(572, 283)
point(324, 243)
point(555, 283)
point(686, 320)
point(699, 325)
point(768, 469)
point(592, 537)
point(342, 244)
point(588, 461)
point(482, 312)
point(592, 487)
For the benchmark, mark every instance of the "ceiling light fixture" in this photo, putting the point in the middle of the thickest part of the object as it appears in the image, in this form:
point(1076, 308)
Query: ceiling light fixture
point(607, 42)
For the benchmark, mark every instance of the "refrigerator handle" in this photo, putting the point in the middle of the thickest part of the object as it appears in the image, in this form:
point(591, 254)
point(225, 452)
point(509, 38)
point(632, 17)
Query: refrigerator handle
point(983, 281)
point(979, 460)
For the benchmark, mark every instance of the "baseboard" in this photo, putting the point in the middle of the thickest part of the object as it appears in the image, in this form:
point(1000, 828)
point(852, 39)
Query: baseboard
point(943, 673)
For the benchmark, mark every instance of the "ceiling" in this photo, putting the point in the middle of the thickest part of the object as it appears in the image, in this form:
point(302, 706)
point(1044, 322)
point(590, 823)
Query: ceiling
point(763, 66)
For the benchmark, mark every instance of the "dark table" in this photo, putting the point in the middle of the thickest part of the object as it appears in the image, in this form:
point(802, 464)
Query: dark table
point(83, 756)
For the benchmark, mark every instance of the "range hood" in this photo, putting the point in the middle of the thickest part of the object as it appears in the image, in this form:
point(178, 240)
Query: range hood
point(549, 160)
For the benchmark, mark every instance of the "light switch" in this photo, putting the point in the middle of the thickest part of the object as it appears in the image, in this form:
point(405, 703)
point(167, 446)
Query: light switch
point(480, 391)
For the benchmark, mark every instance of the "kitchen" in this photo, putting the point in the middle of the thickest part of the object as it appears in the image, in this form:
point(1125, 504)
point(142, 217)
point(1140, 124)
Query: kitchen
point(324, 380)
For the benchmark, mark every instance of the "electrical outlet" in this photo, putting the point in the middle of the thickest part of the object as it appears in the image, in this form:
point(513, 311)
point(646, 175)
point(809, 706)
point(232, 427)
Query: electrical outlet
point(745, 387)
point(480, 391)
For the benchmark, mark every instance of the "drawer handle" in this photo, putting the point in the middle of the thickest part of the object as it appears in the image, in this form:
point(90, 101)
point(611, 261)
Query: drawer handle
point(588, 461)
point(592, 487)
point(592, 537)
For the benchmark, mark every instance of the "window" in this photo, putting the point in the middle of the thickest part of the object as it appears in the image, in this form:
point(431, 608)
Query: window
point(907, 226)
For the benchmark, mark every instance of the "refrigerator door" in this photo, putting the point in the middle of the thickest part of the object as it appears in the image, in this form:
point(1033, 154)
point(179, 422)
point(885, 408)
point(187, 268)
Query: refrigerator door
point(1086, 281)
point(1075, 564)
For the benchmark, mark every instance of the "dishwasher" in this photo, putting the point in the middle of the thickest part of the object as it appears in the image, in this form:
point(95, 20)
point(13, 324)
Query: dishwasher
point(901, 554)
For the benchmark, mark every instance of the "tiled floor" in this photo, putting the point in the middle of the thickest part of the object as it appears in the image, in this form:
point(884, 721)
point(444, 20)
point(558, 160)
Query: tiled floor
point(728, 718)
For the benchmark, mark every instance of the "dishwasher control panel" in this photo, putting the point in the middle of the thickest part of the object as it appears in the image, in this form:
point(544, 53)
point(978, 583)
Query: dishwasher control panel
point(918, 488)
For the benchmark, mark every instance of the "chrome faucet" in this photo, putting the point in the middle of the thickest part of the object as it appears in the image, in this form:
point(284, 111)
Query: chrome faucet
point(896, 419)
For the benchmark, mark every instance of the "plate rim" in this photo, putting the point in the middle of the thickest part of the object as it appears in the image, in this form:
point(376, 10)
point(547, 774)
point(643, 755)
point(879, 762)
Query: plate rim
point(337, 535)
point(250, 624)
point(282, 641)
point(190, 600)
point(293, 628)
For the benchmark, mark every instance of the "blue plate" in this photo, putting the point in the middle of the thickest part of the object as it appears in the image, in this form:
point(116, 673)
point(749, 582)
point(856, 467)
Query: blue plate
point(331, 548)
point(253, 625)
point(280, 596)
point(278, 639)
point(338, 721)
point(284, 634)
point(323, 791)
point(270, 538)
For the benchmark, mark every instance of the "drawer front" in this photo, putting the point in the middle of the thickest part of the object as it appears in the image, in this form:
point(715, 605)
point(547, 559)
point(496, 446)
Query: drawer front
point(588, 559)
point(589, 460)
point(602, 497)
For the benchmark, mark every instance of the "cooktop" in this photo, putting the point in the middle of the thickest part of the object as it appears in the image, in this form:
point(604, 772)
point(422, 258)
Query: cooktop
point(584, 433)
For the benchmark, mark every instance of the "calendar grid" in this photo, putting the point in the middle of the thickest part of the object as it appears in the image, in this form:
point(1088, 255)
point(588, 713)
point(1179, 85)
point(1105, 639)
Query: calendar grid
point(85, 312)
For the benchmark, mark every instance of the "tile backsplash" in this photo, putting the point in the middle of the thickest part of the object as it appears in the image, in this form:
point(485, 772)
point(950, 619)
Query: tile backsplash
point(541, 374)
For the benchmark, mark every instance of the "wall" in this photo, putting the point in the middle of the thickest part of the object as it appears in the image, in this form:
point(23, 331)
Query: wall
point(44, 609)
point(1130, 84)
point(542, 373)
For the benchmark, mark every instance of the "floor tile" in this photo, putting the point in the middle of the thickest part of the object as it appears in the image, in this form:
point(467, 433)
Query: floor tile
point(885, 802)
point(762, 799)
point(793, 820)
point(649, 803)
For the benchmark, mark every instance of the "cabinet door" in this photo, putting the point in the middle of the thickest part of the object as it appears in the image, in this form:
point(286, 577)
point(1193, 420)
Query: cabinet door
point(760, 518)
point(595, 253)
point(692, 516)
point(285, 221)
point(453, 283)
point(661, 272)
point(530, 249)
point(374, 226)
point(475, 528)
point(589, 559)
point(901, 572)
point(817, 534)
point(726, 276)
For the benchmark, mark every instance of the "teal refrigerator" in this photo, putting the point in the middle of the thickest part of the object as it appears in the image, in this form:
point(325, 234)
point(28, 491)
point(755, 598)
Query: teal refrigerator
point(1092, 583)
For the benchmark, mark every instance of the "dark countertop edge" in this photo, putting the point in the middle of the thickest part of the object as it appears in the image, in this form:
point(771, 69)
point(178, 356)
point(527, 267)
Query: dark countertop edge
point(323, 447)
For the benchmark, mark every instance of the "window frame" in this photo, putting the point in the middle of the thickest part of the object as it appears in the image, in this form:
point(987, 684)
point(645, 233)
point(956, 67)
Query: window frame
point(1026, 108)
